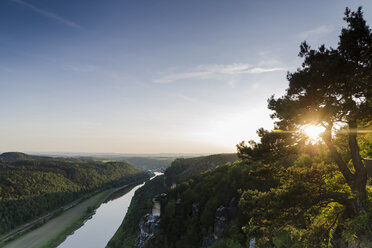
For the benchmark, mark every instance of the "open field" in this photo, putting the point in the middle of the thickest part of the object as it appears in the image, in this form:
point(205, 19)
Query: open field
point(57, 226)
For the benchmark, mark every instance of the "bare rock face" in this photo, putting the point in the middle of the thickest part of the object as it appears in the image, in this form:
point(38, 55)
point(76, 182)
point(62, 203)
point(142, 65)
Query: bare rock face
point(195, 208)
point(252, 243)
point(221, 221)
point(149, 227)
point(178, 209)
point(159, 202)
point(233, 208)
point(352, 244)
point(150, 223)
point(208, 241)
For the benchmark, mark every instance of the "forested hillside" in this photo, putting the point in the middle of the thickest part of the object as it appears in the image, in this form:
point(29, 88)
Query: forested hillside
point(184, 168)
point(189, 219)
point(15, 156)
point(275, 195)
point(31, 186)
point(141, 204)
point(145, 162)
point(151, 163)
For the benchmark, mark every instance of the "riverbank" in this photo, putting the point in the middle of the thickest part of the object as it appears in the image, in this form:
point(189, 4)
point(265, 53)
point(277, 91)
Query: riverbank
point(56, 230)
point(41, 220)
point(90, 210)
point(128, 230)
point(98, 230)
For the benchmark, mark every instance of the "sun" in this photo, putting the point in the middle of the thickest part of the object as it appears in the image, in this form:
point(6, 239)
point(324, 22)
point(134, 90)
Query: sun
point(313, 132)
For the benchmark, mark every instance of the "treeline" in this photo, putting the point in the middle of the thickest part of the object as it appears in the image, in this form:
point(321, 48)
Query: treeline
point(184, 168)
point(150, 163)
point(145, 163)
point(31, 186)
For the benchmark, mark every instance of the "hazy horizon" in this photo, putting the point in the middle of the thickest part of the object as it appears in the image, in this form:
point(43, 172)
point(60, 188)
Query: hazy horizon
point(111, 154)
point(150, 77)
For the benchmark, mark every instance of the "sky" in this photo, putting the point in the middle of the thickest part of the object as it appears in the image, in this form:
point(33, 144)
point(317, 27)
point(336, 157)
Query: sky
point(165, 76)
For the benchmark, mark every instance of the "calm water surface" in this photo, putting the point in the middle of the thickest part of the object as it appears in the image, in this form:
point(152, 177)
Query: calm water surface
point(98, 230)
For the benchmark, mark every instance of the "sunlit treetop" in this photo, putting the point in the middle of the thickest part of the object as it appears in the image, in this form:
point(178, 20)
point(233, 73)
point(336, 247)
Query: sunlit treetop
point(333, 85)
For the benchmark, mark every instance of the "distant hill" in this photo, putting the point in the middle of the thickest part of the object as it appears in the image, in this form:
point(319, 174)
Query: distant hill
point(11, 157)
point(15, 156)
point(146, 163)
point(151, 163)
point(184, 168)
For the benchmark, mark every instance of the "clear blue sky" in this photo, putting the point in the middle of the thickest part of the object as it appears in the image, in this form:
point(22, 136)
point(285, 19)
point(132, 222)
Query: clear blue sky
point(150, 76)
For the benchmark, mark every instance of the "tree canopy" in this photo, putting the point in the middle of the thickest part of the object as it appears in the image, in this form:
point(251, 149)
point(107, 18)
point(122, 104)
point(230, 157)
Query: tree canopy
point(333, 88)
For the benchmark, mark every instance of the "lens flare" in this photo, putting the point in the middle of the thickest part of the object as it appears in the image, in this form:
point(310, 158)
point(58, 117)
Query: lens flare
point(313, 132)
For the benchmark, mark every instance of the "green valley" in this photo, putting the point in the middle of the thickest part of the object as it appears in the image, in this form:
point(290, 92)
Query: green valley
point(31, 186)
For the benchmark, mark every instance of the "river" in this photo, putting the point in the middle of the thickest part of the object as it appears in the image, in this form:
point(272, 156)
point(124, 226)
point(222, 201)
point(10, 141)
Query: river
point(97, 231)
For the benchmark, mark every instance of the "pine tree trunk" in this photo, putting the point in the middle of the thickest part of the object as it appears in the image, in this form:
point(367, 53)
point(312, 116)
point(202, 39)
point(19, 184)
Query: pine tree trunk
point(356, 181)
point(360, 175)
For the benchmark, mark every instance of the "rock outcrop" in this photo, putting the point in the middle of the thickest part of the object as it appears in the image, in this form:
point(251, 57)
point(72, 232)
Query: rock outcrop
point(150, 227)
point(159, 202)
point(252, 243)
point(209, 240)
point(150, 223)
point(221, 222)
point(178, 211)
point(195, 208)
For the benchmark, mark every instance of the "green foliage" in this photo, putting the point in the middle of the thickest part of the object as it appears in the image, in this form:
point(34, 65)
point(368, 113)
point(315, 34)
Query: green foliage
point(333, 88)
point(183, 169)
point(360, 225)
point(316, 199)
point(282, 202)
point(37, 185)
point(151, 163)
point(365, 140)
point(15, 156)
point(210, 190)
point(290, 207)
point(303, 161)
point(303, 210)
point(273, 146)
point(143, 162)
point(226, 243)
